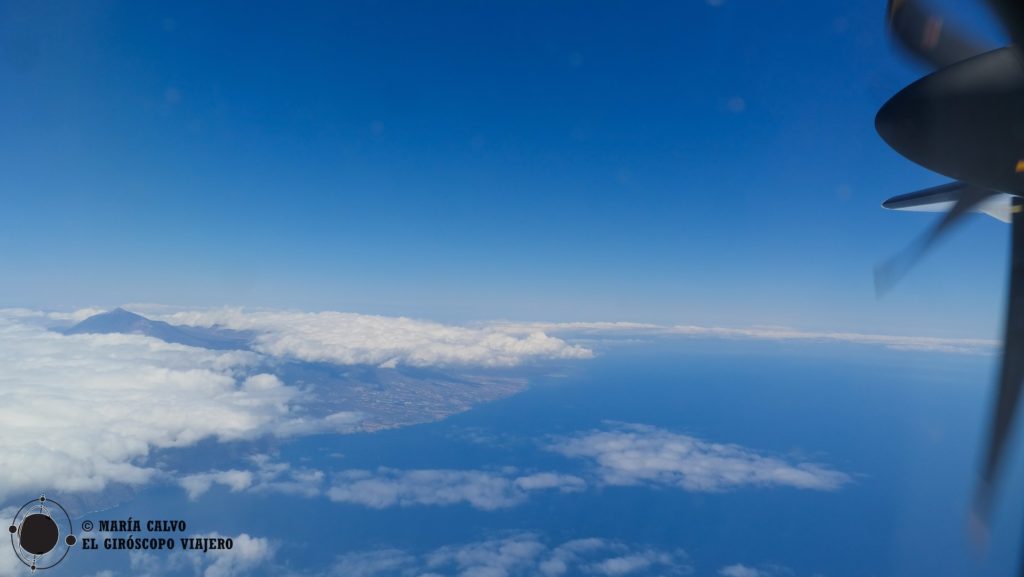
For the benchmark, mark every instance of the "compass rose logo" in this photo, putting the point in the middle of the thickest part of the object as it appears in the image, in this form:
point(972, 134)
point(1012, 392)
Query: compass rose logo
point(41, 533)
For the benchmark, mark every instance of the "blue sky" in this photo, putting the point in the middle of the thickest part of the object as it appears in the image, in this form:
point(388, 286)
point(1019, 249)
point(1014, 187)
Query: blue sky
point(675, 162)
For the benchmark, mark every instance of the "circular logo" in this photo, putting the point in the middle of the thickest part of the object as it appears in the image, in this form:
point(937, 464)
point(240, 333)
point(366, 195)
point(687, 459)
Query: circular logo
point(36, 533)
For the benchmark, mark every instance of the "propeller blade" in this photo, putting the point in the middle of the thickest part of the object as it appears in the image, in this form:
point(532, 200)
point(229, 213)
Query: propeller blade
point(944, 195)
point(1011, 16)
point(965, 198)
point(928, 36)
point(1011, 374)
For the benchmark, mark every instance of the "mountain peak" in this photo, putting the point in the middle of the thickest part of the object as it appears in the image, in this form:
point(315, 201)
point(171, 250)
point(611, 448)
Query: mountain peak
point(123, 321)
point(120, 312)
point(118, 320)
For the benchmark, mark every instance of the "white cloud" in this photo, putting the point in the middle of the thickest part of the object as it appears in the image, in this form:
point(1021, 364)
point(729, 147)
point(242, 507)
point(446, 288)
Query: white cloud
point(496, 557)
point(484, 490)
point(374, 563)
point(199, 483)
point(640, 454)
point(624, 455)
point(581, 328)
point(10, 566)
point(145, 564)
point(632, 563)
point(297, 425)
point(247, 553)
point(563, 557)
point(901, 342)
point(519, 555)
point(898, 342)
point(539, 481)
point(268, 476)
point(741, 570)
point(348, 338)
point(44, 317)
point(81, 411)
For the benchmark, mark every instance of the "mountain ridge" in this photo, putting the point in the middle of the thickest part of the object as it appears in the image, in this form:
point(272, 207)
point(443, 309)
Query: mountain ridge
point(122, 321)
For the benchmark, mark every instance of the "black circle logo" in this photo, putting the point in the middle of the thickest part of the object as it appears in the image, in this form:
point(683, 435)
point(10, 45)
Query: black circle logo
point(36, 534)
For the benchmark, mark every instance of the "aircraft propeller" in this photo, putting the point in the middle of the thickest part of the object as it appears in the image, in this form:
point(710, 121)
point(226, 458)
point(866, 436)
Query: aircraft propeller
point(915, 122)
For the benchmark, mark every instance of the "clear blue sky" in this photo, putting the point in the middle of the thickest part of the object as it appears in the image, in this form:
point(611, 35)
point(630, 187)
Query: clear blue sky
point(667, 162)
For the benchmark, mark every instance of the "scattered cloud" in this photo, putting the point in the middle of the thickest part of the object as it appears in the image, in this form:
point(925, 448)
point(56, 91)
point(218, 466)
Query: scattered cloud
point(374, 563)
point(631, 564)
point(248, 553)
point(738, 570)
point(486, 490)
point(199, 483)
point(506, 556)
point(513, 555)
point(641, 454)
point(267, 476)
point(144, 564)
point(540, 481)
point(349, 338)
point(518, 555)
point(741, 570)
point(625, 454)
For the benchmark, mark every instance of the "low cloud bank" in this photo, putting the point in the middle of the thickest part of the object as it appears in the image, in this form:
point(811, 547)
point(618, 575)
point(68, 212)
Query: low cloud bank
point(641, 454)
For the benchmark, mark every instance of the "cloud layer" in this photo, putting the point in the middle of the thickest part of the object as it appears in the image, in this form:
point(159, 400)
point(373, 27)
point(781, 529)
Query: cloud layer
point(640, 454)
point(81, 411)
point(741, 570)
point(348, 338)
point(624, 454)
point(480, 489)
point(519, 555)
point(247, 554)
point(899, 342)
point(513, 555)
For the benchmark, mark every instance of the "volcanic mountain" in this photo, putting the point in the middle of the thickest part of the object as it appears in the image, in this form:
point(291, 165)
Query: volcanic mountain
point(126, 322)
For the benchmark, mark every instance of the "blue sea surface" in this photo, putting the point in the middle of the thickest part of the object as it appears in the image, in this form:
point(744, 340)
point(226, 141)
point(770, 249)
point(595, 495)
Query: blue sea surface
point(906, 426)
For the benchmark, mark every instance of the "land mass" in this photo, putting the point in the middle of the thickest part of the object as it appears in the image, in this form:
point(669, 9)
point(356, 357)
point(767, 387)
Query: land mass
point(385, 398)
